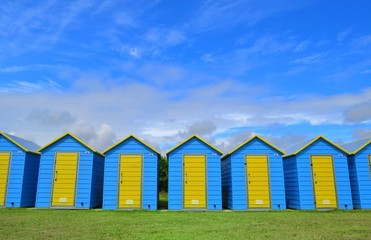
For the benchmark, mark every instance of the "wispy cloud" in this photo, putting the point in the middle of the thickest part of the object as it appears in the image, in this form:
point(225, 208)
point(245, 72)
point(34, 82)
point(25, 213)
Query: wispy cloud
point(29, 87)
point(34, 67)
point(220, 15)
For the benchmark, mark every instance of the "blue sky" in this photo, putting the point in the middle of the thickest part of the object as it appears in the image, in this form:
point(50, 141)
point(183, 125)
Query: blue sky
point(287, 70)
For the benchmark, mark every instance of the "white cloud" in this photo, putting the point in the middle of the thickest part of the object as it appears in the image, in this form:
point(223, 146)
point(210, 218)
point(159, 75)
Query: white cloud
point(357, 113)
point(98, 108)
point(312, 59)
point(362, 133)
point(27, 86)
point(165, 37)
point(342, 35)
point(207, 57)
point(302, 46)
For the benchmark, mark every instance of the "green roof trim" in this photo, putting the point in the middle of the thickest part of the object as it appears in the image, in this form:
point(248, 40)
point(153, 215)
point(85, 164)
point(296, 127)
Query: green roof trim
point(189, 138)
point(74, 137)
point(136, 138)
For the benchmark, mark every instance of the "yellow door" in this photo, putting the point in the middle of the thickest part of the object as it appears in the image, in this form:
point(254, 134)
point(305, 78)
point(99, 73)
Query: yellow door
point(4, 172)
point(194, 181)
point(258, 181)
point(323, 182)
point(64, 186)
point(130, 181)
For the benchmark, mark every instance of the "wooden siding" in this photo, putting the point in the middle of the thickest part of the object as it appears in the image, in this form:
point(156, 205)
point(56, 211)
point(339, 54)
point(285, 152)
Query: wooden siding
point(238, 175)
point(291, 183)
point(213, 166)
point(97, 181)
point(360, 178)
point(84, 173)
point(227, 187)
point(304, 176)
point(23, 170)
point(150, 174)
point(31, 172)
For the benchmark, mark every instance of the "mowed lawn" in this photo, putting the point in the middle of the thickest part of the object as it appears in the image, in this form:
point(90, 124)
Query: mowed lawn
point(99, 224)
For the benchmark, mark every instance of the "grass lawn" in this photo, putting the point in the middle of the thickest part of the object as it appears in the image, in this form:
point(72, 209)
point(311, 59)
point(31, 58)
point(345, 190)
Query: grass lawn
point(99, 224)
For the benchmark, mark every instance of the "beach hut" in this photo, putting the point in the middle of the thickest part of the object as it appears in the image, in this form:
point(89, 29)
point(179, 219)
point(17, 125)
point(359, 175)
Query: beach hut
point(70, 176)
point(131, 175)
point(359, 163)
point(19, 167)
point(317, 176)
point(194, 175)
point(252, 176)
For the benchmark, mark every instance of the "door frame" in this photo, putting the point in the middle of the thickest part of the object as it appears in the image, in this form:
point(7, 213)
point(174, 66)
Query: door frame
point(247, 180)
point(7, 177)
point(183, 179)
point(53, 179)
point(334, 179)
point(141, 179)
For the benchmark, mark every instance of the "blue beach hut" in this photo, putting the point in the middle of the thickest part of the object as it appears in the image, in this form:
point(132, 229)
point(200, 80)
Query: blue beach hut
point(70, 176)
point(194, 175)
point(19, 167)
point(131, 175)
point(317, 176)
point(252, 176)
point(359, 163)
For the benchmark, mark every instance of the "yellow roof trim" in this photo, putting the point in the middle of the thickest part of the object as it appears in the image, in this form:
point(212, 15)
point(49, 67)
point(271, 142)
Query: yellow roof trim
point(136, 138)
point(315, 139)
point(361, 147)
point(250, 139)
point(73, 136)
point(16, 143)
point(189, 138)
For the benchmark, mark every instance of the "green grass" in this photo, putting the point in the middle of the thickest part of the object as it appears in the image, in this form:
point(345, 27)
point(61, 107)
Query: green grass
point(99, 224)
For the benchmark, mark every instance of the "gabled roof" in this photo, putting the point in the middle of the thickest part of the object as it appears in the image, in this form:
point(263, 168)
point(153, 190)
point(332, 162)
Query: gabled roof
point(194, 136)
point(355, 146)
point(24, 144)
point(74, 137)
point(249, 140)
point(136, 138)
point(298, 147)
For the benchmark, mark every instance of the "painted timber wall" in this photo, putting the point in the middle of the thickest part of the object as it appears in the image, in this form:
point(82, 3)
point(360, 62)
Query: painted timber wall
point(359, 163)
point(89, 173)
point(235, 179)
point(299, 182)
point(148, 181)
point(18, 172)
point(194, 146)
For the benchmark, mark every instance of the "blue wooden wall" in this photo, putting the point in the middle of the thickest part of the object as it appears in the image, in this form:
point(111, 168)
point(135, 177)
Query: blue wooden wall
point(89, 188)
point(360, 178)
point(175, 160)
point(150, 174)
point(227, 186)
point(22, 180)
point(234, 175)
point(298, 176)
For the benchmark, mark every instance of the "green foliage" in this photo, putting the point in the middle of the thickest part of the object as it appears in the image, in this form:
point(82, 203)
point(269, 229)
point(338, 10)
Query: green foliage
point(163, 174)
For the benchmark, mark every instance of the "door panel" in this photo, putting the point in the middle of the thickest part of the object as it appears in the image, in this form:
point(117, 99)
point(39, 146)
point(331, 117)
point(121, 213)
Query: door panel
point(194, 181)
point(130, 181)
point(65, 174)
point(4, 172)
point(258, 181)
point(323, 182)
